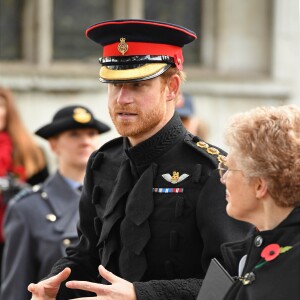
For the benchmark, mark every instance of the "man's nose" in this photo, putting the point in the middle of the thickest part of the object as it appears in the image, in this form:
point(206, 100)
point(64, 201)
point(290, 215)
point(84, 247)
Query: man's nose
point(124, 96)
point(87, 139)
point(223, 178)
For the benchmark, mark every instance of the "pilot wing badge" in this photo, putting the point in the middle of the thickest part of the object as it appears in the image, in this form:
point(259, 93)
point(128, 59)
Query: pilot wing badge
point(175, 178)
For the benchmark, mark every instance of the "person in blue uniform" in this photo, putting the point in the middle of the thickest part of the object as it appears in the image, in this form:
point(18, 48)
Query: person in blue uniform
point(186, 111)
point(261, 174)
point(152, 211)
point(41, 222)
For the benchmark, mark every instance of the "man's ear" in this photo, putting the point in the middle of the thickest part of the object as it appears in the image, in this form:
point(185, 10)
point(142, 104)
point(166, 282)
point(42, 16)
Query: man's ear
point(173, 86)
point(261, 188)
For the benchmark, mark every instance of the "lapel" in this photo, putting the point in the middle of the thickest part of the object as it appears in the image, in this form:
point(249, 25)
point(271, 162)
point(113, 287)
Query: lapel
point(71, 227)
point(135, 230)
point(140, 200)
point(62, 200)
point(112, 212)
point(123, 185)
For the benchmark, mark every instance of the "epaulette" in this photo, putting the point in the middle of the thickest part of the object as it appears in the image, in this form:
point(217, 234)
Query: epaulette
point(213, 153)
point(26, 192)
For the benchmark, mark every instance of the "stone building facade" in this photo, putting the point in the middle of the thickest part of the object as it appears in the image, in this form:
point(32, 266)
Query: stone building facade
point(247, 54)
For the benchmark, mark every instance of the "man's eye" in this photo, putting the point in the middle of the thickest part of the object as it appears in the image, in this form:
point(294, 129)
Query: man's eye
point(74, 134)
point(137, 84)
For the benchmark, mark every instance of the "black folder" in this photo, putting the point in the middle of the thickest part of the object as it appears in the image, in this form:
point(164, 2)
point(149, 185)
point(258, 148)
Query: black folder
point(216, 282)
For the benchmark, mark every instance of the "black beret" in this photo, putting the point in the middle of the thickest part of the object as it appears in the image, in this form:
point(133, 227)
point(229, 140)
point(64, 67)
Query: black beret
point(135, 50)
point(71, 117)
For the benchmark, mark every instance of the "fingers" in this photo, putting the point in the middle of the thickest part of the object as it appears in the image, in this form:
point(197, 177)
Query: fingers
point(109, 276)
point(118, 289)
point(95, 287)
point(55, 281)
point(52, 284)
point(49, 287)
point(60, 277)
point(32, 288)
point(86, 286)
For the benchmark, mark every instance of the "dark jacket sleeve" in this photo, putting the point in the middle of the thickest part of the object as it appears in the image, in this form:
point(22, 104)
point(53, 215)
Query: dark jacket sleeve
point(177, 289)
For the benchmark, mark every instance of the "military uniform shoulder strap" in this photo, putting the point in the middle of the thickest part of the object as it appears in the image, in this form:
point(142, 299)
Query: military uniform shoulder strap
point(26, 192)
point(213, 153)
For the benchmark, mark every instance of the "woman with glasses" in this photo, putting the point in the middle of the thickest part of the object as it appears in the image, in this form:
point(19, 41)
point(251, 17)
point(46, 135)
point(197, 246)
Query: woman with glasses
point(262, 178)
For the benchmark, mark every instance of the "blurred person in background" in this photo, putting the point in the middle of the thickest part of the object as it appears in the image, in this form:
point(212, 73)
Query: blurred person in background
point(186, 111)
point(21, 158)
point(262, 178)
point(41, 222)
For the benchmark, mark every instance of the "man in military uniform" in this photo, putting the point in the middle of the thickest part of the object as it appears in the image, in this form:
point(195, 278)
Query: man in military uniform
point(40, 222)
point(152, 212)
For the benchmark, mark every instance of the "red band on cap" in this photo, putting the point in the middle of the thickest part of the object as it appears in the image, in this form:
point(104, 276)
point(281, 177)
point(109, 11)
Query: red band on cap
point(137, 48)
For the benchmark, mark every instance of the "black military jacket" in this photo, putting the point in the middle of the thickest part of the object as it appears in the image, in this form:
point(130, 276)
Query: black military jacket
point(152, 212)
point(277, 279)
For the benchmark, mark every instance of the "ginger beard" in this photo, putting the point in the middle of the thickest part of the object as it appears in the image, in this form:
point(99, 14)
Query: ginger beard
point(144, 121)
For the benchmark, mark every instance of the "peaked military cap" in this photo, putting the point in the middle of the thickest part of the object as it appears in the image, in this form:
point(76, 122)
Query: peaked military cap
point(135, 50)
point(71, 117)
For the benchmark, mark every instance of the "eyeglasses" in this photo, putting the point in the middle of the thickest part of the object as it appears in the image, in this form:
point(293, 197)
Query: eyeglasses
point(223, 168)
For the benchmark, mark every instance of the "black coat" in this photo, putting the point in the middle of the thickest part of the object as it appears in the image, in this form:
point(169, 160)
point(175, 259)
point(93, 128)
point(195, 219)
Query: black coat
point(133, 227)
point(278, 279)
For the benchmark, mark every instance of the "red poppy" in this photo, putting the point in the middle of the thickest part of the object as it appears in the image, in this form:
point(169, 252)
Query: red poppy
point(270, 252)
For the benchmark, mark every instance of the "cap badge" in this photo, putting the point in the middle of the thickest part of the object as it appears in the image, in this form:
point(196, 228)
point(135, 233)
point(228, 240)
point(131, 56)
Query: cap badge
point(175, 178)
point(80, 115)
point(123, 46)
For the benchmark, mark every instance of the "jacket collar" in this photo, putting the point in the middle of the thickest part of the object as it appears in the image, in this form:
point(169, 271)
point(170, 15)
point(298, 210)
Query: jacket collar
point(293, 219)
point(149, 150)
point(233, 251)
point(61, 197)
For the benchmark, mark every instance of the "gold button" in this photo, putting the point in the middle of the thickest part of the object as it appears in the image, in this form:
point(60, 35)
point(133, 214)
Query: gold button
point(221, 158)
point(202, 144)
point(51, 217)
point(44, 195)
point(66, 242)
point(35, 188)
point(212, 150)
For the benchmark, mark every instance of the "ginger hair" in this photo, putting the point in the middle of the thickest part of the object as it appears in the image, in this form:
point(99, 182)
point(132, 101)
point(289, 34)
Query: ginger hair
point(26, 152)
